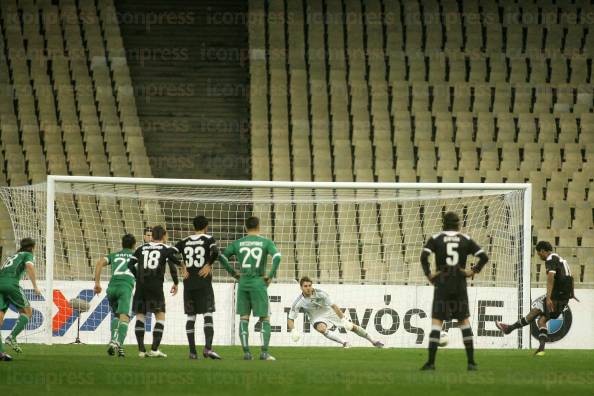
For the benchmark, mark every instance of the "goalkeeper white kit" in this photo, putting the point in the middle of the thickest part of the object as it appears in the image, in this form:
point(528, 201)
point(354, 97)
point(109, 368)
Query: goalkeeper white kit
point(318, 309)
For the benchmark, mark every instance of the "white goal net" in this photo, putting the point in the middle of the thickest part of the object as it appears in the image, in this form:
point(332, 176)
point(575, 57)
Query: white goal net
point(360, 242)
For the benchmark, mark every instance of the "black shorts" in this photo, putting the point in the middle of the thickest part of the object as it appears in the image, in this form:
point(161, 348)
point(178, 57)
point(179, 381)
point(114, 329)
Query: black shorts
point(148, 300)
point(558, 308)
point(448, 305)
point(199, 301)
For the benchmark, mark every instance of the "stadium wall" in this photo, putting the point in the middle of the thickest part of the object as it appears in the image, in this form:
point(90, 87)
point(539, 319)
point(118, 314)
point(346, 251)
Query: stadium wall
point(398, 315)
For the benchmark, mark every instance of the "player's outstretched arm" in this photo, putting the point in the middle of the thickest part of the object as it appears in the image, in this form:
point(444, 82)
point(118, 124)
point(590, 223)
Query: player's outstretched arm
point(102, 262)
point(32, 277)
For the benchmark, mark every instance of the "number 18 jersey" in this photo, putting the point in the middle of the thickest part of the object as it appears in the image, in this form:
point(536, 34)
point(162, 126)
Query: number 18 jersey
point(150, 261)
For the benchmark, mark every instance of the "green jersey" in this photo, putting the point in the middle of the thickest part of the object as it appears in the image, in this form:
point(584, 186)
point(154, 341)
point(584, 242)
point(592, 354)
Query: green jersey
point(252, 254)
point(14, 266)
point(119, 267)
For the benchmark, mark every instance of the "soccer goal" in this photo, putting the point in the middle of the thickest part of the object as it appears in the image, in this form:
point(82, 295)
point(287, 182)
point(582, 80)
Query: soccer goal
point(360, 242)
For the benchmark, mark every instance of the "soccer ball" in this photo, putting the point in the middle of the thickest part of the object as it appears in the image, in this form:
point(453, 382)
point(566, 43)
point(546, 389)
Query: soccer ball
point(443, 339)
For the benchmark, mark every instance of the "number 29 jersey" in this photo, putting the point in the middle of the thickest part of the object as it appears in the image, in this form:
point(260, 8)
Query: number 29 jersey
point(197, 251)
point(451, 249)
point(252, 254)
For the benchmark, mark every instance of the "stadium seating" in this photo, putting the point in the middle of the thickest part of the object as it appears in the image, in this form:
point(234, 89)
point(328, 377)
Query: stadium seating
point(502, 102)
point(356, 91)
point(66, 105)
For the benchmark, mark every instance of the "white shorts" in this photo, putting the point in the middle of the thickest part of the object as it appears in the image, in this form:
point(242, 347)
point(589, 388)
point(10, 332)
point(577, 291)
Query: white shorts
point(329, 320)
point(539, 303)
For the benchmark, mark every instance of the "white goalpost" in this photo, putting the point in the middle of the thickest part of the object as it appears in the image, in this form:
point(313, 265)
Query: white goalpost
point(360, 242)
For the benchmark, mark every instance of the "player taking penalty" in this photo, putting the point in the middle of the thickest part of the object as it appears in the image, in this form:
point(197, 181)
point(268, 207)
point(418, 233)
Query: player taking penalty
point(119, 292)
point(252, 295)
point(323, 314)
point(11, 272)
point(550, 306)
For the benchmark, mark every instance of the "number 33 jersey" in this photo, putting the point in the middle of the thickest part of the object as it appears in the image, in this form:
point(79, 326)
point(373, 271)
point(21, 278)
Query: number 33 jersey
point(451, 249)
point(197, 251)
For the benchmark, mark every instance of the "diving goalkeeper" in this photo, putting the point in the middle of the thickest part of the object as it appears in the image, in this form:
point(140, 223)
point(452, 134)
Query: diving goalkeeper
point(323, 314)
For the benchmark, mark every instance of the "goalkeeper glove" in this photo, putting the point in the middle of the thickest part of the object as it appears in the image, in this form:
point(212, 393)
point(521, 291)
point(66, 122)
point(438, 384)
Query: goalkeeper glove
point(347, 324)
point(295, 336)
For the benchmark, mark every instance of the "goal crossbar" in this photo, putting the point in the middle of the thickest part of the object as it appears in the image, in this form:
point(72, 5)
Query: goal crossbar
point(526, 189)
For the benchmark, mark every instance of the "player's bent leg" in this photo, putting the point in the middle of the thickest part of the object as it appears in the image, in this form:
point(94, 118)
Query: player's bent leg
point(122, 331)
point(114, 327)
point(113, 299)
point(322, 328)
point(360, 331)
point(507, 329)
point(113, 305)
point(25, 314)
point(543, 335)
point(122, 307)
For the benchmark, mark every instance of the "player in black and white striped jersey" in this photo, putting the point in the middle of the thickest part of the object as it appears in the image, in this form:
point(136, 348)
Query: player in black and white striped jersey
point(551, 305)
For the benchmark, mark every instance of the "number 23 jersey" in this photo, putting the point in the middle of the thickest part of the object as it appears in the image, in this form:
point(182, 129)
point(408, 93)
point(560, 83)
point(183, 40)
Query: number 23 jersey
point(120, 273)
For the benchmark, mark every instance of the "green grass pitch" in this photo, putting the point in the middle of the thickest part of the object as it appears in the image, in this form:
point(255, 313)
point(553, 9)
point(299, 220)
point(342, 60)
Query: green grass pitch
point(88, 370)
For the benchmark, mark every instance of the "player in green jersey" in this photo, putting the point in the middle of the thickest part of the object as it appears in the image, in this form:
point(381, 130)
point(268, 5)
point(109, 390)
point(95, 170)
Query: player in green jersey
point(11, 273)
point(252, 295)
point(119, 291)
